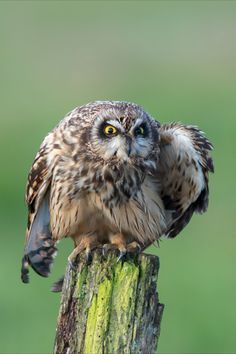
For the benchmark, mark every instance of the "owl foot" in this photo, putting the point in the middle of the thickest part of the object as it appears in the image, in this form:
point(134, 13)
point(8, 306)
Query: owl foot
point(134, 247)
point(88, 259)
point(108, 247)
point(123, 248)
point(88, 256)
point(122, 256)
point(118, 243)
point(72, 259)
point(83, 243)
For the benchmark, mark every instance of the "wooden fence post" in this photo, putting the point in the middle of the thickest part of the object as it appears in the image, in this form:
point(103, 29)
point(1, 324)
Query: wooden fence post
point(110, 307)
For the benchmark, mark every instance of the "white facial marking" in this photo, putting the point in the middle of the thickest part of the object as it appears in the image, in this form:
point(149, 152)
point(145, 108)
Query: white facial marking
point(124, 144)
point(138, 122)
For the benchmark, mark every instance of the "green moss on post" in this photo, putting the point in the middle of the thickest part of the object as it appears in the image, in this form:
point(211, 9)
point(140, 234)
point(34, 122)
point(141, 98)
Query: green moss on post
point(98, 319)
point(110, 307)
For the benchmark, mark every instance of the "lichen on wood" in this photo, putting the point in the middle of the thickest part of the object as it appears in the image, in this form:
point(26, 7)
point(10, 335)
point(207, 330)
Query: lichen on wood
point(110, 307)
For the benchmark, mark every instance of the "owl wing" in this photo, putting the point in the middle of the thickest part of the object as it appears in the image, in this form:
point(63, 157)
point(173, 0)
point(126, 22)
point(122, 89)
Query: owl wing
point(39, 246)
point(183, 172)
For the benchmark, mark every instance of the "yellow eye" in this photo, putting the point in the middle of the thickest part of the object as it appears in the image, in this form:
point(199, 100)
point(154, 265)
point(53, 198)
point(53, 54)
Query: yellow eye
point(110, 130)
point(139, 131)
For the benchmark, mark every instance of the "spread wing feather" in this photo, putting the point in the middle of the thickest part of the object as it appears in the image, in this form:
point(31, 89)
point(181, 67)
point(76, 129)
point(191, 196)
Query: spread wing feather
point(183, 171)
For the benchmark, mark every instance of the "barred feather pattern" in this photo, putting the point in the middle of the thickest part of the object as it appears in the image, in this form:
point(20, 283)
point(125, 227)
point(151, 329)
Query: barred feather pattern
point(183, 172)
point(144, 182)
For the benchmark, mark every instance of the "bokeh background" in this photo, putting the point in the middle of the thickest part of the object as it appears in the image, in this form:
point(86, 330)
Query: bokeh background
point(178, 60)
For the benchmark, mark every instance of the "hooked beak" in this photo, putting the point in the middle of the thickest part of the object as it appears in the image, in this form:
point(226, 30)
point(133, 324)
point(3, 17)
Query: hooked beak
point(125, 148)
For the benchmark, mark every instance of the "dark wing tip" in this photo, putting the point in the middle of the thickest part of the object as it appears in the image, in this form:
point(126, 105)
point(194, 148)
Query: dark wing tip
point(199, 206)
point(25, 270)
point(41, 259)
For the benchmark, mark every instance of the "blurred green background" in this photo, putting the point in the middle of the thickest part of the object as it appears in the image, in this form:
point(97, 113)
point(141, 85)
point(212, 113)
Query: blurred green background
point(176, 59)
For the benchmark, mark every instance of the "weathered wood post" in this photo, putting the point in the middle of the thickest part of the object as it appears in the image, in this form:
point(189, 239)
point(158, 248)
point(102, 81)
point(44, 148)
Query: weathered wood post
point(110, 307)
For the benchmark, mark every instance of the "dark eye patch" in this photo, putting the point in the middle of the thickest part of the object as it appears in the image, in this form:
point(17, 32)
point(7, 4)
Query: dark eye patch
point(141, 130)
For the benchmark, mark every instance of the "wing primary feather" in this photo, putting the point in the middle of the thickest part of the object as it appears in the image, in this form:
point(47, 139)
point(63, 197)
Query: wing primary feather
point(25, 269)
point(40, 247)
point(184, 166)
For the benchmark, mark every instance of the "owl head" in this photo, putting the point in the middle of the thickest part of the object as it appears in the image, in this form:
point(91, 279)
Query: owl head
point(120, 132)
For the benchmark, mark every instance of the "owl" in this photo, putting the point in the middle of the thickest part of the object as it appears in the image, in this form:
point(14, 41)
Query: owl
point(111, 176)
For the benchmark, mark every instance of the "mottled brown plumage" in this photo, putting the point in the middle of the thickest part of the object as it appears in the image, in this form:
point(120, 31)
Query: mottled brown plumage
point(110, 175)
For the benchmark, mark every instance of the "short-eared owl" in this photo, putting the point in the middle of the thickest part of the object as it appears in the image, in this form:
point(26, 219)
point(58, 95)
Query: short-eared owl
point(109, 175)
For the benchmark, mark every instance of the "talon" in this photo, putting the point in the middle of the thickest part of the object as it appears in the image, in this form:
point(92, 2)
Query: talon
point(89, 257)
point(84, 243)
point(121, 255)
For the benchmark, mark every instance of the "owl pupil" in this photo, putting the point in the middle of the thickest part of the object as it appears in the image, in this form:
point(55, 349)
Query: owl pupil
point(139, 131)
point(109, 130)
